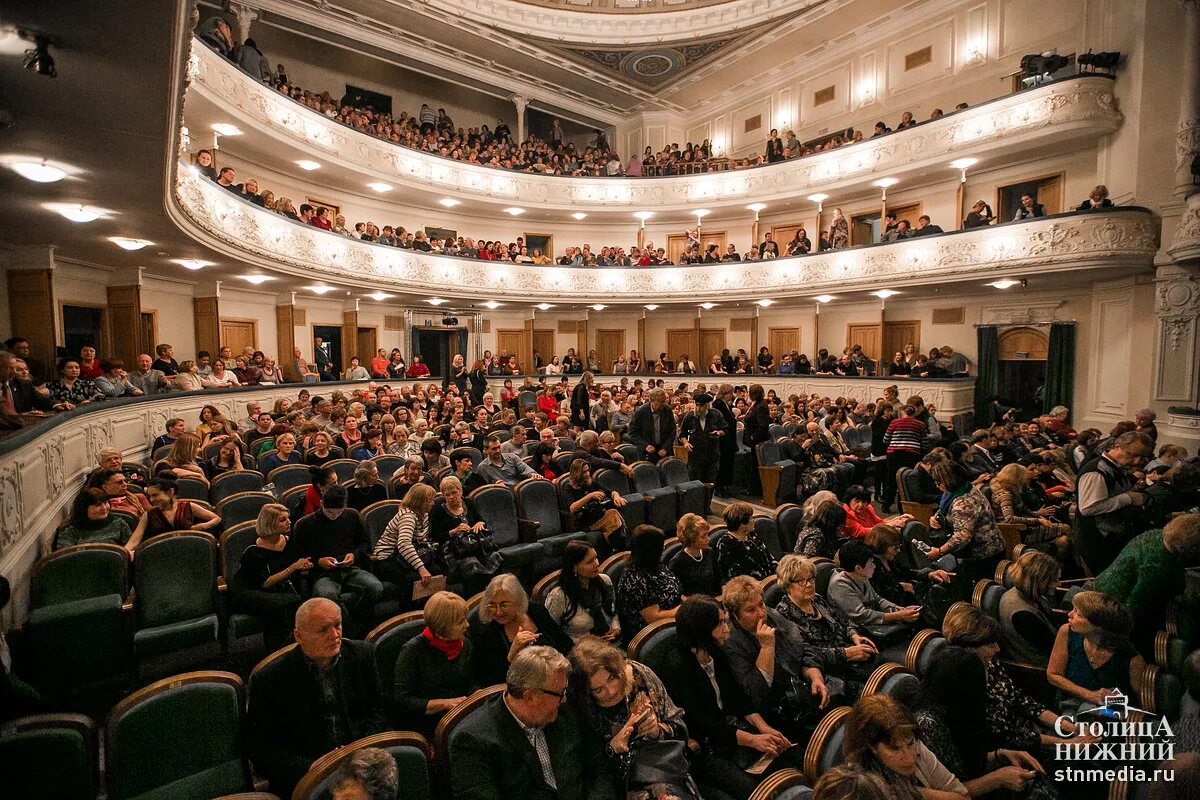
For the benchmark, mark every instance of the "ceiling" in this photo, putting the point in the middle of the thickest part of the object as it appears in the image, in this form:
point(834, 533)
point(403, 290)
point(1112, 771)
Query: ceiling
point(624, 6)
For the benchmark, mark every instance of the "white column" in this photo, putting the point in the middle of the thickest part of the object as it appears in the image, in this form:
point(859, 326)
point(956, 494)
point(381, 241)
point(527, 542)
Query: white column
point(521, 103)
point(1187, 138)
point(243, 15)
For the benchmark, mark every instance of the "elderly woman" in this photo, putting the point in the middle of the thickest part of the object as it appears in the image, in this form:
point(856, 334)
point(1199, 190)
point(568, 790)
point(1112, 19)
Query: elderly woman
point(1092, 655)
point(881, 739)
point(435, 671)
point(627, 706)
point(169, 513)
point(647, 591)
point(594, 508)
point(322, 450)
point(367, 488)
point(91, 523)
point(405, 552)
point(966, 515)
point(694, 565)
point(843, 650)
point(584, 601)
point(508, 623)
point(1028, 619)
point(188, 377)
point(740, 551)
point(821, 535)
point(780, 674)
point(270, 579)
point(894, 580)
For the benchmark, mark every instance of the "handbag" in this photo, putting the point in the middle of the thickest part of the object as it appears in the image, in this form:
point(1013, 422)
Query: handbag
point(592, 512)
point(661, 761)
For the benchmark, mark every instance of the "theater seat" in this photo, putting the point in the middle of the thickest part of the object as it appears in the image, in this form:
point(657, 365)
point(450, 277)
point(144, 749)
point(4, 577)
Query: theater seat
point(614, 565)
point(234, 542)
point(446, 726)
point(543, 587)
point(174, 579)
point(922, 650)
point(289, 476)
point(663, 511)
point(414, 764)
point(788, 518)
point(376, 517)
point(891, 679)
point(786, 784)
point(614, 480)
point(178, 738)
point(242, 507)
point(343, 468)
point(986, 597)
point(824, 750)
point(228, 484)
point(388, 637)
point(654, 645)
point(777, 474)
point(692, 496)
point(768, 533)
point(50, 756)
point(537, 500)
point(515, 537)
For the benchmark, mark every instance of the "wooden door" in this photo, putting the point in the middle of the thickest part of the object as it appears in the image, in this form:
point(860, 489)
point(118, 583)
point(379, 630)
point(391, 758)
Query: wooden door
point(679, 341)
point(610, 343)
point(237, 334)
point(783, 234)
point(365, 342)
point(677, 243)
point(712, 342)
point(543, 343)
point(867, 335)
point(508, 343)
point(908, 212)
point(783, 340)
point(899, 333)
point(1050, 194)
point(1023, 344)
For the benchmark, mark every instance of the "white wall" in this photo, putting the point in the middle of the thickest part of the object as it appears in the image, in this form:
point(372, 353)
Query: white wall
point(174, 314)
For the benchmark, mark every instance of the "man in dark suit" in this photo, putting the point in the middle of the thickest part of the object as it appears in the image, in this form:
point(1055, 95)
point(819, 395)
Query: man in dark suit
point(19, 397)
point(525, 743)
point(324, 363)
point(652, 428)
point(702, 432)
point(982, 463)
point(320, 695)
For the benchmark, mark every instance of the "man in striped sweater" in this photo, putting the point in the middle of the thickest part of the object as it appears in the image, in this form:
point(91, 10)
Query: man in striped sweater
point(905, 439)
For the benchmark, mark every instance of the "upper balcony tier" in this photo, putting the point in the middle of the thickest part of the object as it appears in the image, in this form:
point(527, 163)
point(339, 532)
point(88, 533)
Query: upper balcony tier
point(1124, 238)
point(1054, 117)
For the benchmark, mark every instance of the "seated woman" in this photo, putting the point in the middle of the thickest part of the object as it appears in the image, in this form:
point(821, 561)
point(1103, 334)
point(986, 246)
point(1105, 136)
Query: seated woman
point(595, 509)
point(350, 438)
point(1092, 654)
point(896, 581)
point(71, 389)
point(584, 601)
point(1014, 718)
point(628, 708)
point(966, 515)
point(470, 554)
point(367, 488)
point(1029, 621)
point(861, 516)
point(740, 551)
point(508, 623)
point(220, 378)
point(322, 450)
point(405, 552)
point(285, 453)
point(822, 534)
point(169, 513)
point(227, 459)
point(434, 671)
point(844, 652)
point(647, 591)
point(695, 565)
point(270, 579)
point(182, 461)
point(952, 701)
point(881, 739)
point(1008, 508)
point(780, 674)
point(92, 523)
point(542, 455)
point(370, 446)
point(321, 478)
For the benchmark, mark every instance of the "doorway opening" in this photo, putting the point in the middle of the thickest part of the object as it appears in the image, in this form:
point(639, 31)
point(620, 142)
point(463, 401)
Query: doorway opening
point(83, 326)
point(437, 347)
point(331, 345)
point(1021, 381)
point(1047, 190)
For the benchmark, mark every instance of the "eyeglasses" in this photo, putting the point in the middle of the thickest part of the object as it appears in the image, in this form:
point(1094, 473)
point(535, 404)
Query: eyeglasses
point(493, 606)
point(806, 582)
point(562, 696)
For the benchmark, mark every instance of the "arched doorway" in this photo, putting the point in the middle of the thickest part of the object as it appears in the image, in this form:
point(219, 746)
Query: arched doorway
point(1022, 377)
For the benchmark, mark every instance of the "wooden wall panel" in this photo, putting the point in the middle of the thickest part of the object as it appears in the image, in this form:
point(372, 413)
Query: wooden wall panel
point(124, 322)
point(207, 320)
point(31, 306)
point(285, 332)
point(349, 337)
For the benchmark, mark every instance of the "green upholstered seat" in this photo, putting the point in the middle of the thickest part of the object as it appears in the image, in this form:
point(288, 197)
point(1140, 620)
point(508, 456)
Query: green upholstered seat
point(175, 586)
point(81, 572)
point(49, 756)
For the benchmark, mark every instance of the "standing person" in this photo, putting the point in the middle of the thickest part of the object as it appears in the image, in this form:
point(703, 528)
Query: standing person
point(905, 439)
point(652, 427)
point(581, 399)
point(1109, 500)
point(839, 231)
point(727, 445)
point(757, 424)
point(324, 363)
point(702, 432)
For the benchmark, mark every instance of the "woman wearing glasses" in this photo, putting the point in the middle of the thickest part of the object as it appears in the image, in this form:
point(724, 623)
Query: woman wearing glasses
point(507, 624)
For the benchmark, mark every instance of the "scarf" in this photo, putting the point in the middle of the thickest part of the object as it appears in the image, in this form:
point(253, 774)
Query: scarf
point(451, 650)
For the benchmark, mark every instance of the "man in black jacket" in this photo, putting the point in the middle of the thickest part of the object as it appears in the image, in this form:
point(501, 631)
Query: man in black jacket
point(18, 396)
point(319, 696)
point(525, 743)
point(702, 431)
point(652, 428)
point(728, 444)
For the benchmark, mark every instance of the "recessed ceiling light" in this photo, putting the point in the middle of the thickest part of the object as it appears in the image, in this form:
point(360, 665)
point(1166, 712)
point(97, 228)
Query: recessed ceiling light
point(701, 213)
point(756, 207)
point(448, 202)
point(257, 280)
point(435, 301)
point(651, 307)
point(765, 303)
point(884, 183)
point(320, 288)
point(643, 215)
point(514, 211)
point(492, 304)
point(707, 306)
point(823, 298)
point(225, 129)
point(963, 163)
point(304, 163)
point(599, 307)
point(38, 171)
point(579, 215)
point(192, 263)
point(76, 212)
point(884, 294)
point(1004, 283)
point(379, 297)
point(129, 244)
point(543, 306)
point(819, 197)
point(380, 186)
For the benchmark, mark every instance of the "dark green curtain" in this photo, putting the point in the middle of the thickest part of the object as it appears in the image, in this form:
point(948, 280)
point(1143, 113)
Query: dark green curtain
point(987, 374)
point(1060, 366)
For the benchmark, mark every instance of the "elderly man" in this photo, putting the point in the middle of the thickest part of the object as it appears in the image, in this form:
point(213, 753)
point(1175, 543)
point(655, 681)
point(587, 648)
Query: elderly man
point(1108, 500)
point(146, 378)
point(250, 421)
point(515, 446)
point(652, 427)
point(319, 696)
point(497, 467)
point(702, 431)
point(526, 743)
point(304, 371)
point(19, 396)
point(587, 447)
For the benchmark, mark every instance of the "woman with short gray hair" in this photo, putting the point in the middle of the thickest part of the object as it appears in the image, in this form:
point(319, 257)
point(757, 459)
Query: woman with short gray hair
point(508, 623)
point(368, 774)
point(367, 488)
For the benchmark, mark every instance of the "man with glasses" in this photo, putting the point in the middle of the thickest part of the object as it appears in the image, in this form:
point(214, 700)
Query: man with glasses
point(115, 485)
point(525, 743)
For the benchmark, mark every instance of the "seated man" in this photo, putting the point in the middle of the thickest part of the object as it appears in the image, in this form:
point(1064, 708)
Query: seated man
point(497, 467)
point(19, 396)
point(925, 227)
point(525, 743)
point(850, 590)
point(319, 696)
point(516, 444)
point(336, 541)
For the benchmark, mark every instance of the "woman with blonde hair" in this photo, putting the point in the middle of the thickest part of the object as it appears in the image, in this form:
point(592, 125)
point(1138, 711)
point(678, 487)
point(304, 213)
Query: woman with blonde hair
point(1028, 618)
point(434, 671)
point(1092, 654)
point(1009, 509)
point(181, 461)
point(694, 565)
point(270, 580)
point(285, 453)
point(405, 550)
point(839, 231)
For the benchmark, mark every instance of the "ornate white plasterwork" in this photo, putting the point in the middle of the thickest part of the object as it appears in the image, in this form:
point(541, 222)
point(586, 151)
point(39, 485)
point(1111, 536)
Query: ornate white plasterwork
point(216, 218)
point(1080, 108)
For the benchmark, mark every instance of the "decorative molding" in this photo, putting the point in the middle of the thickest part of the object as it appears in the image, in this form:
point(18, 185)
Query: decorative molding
point(1185, 244)
point(1082, 108)
point(1124, 237)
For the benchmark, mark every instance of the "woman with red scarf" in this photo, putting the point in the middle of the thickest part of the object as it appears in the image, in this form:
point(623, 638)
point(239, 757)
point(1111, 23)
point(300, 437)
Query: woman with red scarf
point(434, 670)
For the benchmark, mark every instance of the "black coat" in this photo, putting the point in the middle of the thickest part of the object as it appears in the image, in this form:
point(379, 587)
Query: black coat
point(424, 674)
point(26, 398)
point(641, 430)
point(581, 401)
point(706, 445)
point(707, 722)
point(490, 645)
point(492, 759)
point(287, 731)
point(728, 442)
point(757, 422)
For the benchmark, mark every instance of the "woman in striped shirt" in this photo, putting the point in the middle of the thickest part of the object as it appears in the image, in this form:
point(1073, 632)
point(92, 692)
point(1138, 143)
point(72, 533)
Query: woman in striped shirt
point(405, 551)
point(904, 440)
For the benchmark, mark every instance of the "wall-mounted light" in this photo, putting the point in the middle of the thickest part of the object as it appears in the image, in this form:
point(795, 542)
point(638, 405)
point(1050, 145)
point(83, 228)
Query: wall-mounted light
point(257, 280)
point(599, 307)
point(708, 306)
point(765, 303)
point(320, 288)
point(379, 297)
point(436, 301)
point(650, 307)
point(379, 186)
point(448, 202)
point(962, 165)
point(579, 215)
point(643, 216)
point(544, 306)
point(77, 212)
point(819, 199)
point(225, 129)
point(492, 304)
point(756, 207)
point(38, 171)
point(1008, 283)
point(514, 211)
point(884, 183)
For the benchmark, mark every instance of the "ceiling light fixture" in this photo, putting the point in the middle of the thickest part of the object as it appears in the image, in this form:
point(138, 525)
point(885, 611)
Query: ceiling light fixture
point(436, 301)
point(514, 211)
point(964, 163)
point(578, 215)
point(651, 307)
point(38, 171)
point(76, 212)
point(320, 288)
point(257, 280)
point(884, 294)
point(701, 213)
point(192, 263)
point(126, 243)
point(379, 297)
point(225, 129)
point(643, 215)
point(884, 183)
point(599, 307)
point(824, 298)
point(380, 187)
point(756, 207)
point(543, 306)
point(818, 198)
point(304, 163)
point(765, 303)
point(492, 304)
point(448, 202)
point(1005, 283)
